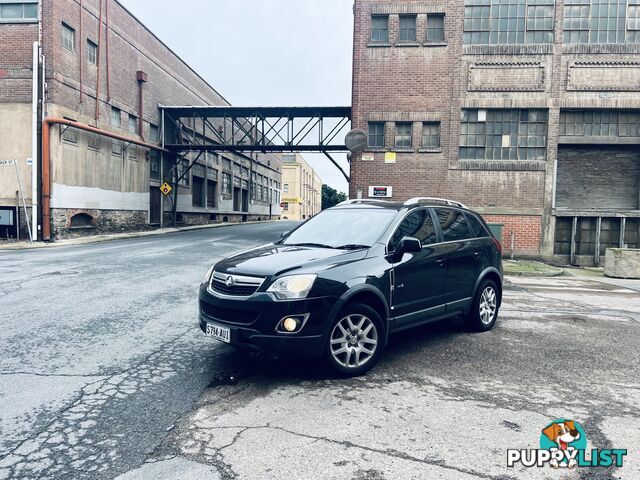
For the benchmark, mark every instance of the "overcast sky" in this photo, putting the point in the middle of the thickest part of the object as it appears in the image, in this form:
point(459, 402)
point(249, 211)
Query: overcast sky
point(263, 52)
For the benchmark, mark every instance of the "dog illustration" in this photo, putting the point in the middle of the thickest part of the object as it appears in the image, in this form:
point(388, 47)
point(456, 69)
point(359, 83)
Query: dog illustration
point(562, 434)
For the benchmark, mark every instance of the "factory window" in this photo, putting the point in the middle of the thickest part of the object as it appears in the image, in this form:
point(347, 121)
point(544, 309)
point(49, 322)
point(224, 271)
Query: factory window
point(92, 53)
point(431, 135)
point(380, 28)
point(133, 128)
point(154, 134)
point(70, 134)
point(183, 173)
point(376, 134)
point(633, 17)
point(93, 141)
point(501, 22)
point(435, 28)
point(407, 28)
point(18, 11)
point(68, 38)
point(503, 134)
point(226, 184)
point(404, 133)
point(116, 147)
point(576, 21)
point(602, 21)
point(116, 117)
point(286, 188)
point(600, 123)
point(154, 164)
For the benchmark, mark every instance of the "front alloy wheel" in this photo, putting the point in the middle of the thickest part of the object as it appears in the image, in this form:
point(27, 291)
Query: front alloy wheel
point(355, 340)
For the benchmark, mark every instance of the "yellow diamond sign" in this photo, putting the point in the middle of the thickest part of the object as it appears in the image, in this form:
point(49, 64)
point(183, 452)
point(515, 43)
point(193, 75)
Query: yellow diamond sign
point(166, 188)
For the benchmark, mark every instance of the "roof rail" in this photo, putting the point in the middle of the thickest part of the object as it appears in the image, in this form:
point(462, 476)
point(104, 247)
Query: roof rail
point(445, 201)
point(360, 200)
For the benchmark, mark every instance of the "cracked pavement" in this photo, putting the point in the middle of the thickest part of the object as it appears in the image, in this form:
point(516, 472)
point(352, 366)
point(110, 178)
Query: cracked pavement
point(104, 374)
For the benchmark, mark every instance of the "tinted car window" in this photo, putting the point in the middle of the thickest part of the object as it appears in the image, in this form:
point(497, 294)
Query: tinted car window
point(453, 224)
point(343, 226)
point(477, 229)
point(417, 224)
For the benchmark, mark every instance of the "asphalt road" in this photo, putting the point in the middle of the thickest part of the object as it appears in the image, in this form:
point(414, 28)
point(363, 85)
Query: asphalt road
point(100, 354)
point(104, 374)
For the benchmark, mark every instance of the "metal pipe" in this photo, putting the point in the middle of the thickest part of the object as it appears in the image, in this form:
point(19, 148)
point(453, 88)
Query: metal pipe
point(140, 109)
point(80, 51)
point(34, 138)
point(46, 161)
point(98, 62)
point(107, 50)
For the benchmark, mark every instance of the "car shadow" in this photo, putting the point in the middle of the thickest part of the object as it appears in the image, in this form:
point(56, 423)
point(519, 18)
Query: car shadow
point(235, 365)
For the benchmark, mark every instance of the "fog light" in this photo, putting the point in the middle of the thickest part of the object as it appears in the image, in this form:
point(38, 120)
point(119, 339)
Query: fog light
point(290, 324)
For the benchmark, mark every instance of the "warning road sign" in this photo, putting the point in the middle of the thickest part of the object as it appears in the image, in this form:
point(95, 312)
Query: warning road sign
point(166, 188)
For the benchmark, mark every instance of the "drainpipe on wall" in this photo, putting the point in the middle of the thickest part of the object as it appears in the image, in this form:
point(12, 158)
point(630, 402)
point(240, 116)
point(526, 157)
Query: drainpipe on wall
point(98, 62)
point(34, 138)
point(46, 162)
point(80, 50)
point(141, 77)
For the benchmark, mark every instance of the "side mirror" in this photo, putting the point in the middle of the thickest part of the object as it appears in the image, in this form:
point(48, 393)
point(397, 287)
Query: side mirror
point(409, 245)
point(284, 234)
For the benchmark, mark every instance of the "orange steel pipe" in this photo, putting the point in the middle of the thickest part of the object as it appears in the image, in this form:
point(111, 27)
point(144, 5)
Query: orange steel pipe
point(46, 161)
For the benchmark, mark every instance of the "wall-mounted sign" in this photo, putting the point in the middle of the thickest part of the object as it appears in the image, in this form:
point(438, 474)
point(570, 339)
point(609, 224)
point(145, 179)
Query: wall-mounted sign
point(389, 157)
point(166, 188)
point(291, 200)
point(380, 192)
point(367, 157)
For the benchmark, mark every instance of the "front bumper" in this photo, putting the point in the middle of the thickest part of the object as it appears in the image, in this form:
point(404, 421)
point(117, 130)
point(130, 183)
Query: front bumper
point(253, 322)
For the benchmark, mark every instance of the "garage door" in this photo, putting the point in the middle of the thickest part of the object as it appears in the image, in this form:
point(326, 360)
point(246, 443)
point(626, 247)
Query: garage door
point(598, 177)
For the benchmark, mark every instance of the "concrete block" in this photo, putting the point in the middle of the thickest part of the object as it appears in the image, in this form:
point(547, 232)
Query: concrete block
point(622, 263)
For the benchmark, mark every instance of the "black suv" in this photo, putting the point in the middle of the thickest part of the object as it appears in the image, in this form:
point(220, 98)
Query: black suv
point(340, 283)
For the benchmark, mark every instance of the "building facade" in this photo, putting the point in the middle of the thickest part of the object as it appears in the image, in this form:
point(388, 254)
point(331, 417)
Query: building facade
point(103, 68)
point(528, 111)
point(301, 188)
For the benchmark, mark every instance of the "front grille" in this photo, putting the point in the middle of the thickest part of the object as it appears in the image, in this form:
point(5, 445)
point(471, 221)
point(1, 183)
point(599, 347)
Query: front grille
point(234, 285)
point(230, 315)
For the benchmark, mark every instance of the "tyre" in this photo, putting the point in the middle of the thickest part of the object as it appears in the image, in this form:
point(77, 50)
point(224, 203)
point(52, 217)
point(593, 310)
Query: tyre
point(355, 341)
point(484, 309)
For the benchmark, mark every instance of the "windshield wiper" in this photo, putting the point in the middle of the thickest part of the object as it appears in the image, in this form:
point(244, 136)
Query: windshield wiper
point(318, 245)
point(352, 246)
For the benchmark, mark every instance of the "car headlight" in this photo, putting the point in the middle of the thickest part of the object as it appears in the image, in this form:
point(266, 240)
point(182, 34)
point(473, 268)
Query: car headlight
point(208, 276)
point(292, 287)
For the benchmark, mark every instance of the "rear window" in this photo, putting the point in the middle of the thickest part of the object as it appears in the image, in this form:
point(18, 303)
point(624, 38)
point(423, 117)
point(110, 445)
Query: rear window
point(476, 227)
point(454, 225)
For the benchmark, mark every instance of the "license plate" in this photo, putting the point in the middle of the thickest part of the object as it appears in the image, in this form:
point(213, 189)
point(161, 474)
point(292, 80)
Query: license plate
point(218, 332)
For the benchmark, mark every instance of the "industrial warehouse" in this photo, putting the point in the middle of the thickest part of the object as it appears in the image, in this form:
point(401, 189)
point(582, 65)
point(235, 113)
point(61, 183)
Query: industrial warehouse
point(527, 111)
point(100, 79)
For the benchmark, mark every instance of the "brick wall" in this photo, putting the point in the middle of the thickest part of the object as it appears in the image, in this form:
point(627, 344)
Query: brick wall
point(526, 230)
point(16, 61)
point(416, 83)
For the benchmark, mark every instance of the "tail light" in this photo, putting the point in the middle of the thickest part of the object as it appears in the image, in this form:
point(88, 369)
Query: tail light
point(498, 245)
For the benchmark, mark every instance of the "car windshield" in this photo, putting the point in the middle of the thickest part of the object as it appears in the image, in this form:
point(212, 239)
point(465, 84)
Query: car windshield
point(348, 228)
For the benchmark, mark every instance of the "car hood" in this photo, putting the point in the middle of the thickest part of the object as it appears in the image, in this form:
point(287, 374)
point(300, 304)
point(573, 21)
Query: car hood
point(278, 259)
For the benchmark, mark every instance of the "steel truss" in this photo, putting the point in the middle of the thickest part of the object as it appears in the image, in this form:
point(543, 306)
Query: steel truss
point(256, 129)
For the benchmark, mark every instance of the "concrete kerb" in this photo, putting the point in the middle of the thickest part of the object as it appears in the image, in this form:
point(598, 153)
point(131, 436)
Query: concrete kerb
point(118, 236)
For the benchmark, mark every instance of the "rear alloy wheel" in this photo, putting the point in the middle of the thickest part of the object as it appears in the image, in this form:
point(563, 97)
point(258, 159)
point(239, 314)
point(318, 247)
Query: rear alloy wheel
point(484, 310)
point(355, 340)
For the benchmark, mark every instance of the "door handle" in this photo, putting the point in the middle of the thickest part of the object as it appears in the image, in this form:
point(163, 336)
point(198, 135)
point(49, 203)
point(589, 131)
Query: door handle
point(476, 254)
point(440, 261)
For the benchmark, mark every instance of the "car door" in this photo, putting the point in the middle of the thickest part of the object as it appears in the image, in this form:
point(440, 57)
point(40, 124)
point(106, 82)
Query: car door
point(419, 279)
point(460, 257)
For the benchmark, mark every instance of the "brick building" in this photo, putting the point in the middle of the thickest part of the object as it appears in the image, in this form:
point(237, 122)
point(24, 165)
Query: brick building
point(301, 188)
point(527, 111)
point(105, 69)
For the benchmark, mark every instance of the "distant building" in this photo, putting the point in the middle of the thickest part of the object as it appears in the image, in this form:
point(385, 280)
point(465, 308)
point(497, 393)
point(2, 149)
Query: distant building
point(301, 188)
point(107, 70)
point(527, 111)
